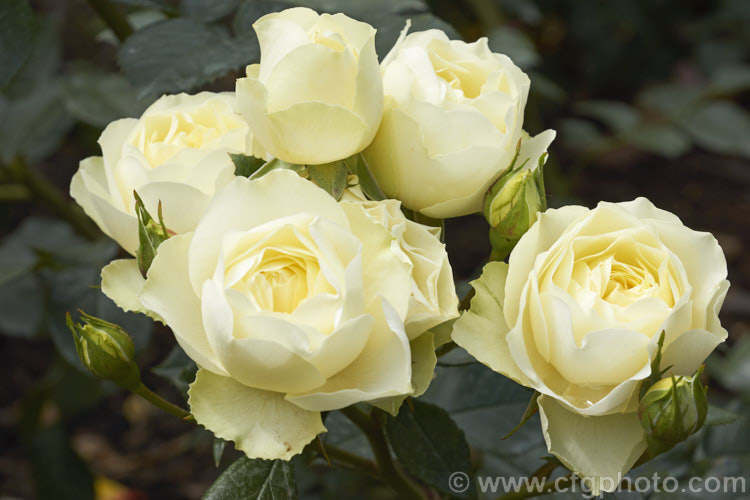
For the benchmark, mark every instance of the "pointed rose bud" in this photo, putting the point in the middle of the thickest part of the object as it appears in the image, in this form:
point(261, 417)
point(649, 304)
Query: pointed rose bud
point(106, 350)
point(151, 234)
point(514, 201)
point(673, 408)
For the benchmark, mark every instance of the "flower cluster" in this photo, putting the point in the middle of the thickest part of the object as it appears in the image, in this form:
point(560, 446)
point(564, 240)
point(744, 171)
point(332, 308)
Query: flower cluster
point(289, 261)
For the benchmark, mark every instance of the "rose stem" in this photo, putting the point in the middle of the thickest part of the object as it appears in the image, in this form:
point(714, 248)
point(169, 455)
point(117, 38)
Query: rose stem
point(356, 462)
point(163, 404)
point(372, 428)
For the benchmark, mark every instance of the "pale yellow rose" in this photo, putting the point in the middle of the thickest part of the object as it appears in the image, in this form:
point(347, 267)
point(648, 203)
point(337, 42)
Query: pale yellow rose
point(291, 304)
point(452, 119)
point(577, 314)
point(316, 95)
point(176, 153)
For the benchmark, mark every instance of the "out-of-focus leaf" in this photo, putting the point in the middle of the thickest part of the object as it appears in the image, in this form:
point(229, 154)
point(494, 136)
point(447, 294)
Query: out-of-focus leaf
point(17, 31)
point(429, 444)
point(733, 370)
point(59, 474)
point(720, 416)
point(672, 100)
point(662, 140)
point(255, 479)
point(178, 368)
point(33, 126)
point(99, 98)
point(252, 10)
point(720, 127)
point(138, 20)
point(60, 272)
point(21, 306)
point(156, 4)
point(208, 10)
point(514, 44)
point(181, 54)
point(34, 119)
point(580, 135)
point(42, 65)
point(619, 116)
point(546, 88)
point(526, 11)
point(730, 439)
point(731, 79)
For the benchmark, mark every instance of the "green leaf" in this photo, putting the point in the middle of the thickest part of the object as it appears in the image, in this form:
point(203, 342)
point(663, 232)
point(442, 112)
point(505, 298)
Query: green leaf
point(731, 438)
point(733, 369)
point(487, 406)
point(664, 140)
point(515, 44)
point(617, 115)
point(720, 416)
point(357, 165)
point(98, 98)
point(720, 127)
point(178, 368)
point(181, 54)
point(329, 176)
point(277, 164)
point(244, 165)
point(252, 10)
point(18, 28)
point(255, 479)
point(530, 411)
point(65, 269)
point(731, 79)
point(208, 11)
point(218, 449)
point(155, 4)
point(672, 100)
point(429, 444)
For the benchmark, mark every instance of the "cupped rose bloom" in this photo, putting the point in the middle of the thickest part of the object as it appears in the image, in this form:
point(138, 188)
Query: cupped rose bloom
point(452, 119)
point(577, 314)
point(316, 95)
point(291, 304)
point(433, 299)
point(176, 153)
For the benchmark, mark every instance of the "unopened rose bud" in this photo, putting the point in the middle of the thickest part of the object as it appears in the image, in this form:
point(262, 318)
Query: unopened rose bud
point(513, 203)
point(151, 234)
point(106, 350)
point(674, 408)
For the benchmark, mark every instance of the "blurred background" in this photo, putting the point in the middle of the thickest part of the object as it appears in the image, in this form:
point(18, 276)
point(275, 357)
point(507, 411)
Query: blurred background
point(649, 98)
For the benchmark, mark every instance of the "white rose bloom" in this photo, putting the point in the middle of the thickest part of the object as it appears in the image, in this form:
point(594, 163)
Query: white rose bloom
point(433, 294)
point(291, 304)
point(577, 314)
point(176, 153)
point(316, 95)
point(452, 119)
